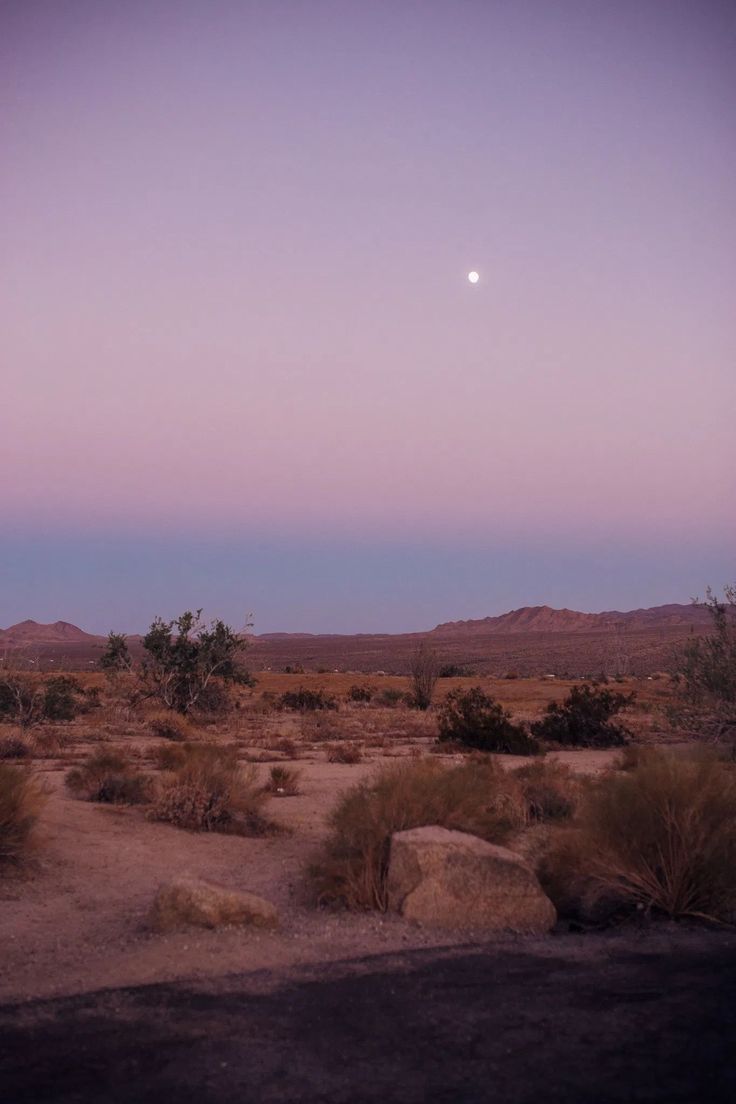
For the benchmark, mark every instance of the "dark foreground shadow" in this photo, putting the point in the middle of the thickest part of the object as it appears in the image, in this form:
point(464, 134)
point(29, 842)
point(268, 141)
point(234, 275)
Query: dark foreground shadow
point(481, 1025)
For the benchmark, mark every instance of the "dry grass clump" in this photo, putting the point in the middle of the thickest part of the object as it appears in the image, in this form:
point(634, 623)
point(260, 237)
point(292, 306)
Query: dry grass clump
point(21, 801)
point(317, 728)
point(283, 782)
point(661, 837)
point(306, 701)
point(551, 790)
point(344, 753)
point(480, 798)
point(169, 757)
point(210, 792)
point(109, 777)
point(168, 725)
point(14, 746)
point(51, 741)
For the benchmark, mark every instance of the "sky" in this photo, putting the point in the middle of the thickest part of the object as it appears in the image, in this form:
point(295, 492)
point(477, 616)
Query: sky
point(242, 367)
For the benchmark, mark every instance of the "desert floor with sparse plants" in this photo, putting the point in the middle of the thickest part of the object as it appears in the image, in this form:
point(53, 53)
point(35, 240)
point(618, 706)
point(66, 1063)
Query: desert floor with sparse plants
point(292, 794)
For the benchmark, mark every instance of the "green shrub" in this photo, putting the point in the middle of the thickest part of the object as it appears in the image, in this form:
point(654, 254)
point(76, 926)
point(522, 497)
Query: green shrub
point(661, 836)
point(306, 701)
point(63, 698)
point(21, 801)
point(28, 700)
point(109, 777)
point(210, 792)
point(475, 720)
point(583, 719)
point(476, 797)
point(454, 670)
point(359, 693)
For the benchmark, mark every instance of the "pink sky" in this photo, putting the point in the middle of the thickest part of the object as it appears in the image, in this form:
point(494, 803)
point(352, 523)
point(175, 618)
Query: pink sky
point(235, 243)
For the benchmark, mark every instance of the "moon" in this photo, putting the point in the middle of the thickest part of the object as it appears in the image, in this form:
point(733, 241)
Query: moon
point(473, 277)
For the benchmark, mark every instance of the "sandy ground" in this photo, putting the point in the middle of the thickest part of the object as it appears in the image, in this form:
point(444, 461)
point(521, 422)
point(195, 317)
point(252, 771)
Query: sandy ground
point(75, 920)
point(643, 1016)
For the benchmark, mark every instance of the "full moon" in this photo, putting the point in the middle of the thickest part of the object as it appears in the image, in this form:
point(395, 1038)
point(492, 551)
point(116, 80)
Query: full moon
point(473, 277)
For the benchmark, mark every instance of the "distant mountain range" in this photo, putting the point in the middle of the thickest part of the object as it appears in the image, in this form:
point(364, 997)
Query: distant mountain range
point(545, 619)
point(528, 619)
point(30, 632)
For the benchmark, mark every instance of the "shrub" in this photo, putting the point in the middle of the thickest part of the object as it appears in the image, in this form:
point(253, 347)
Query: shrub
point(475, 720)
point(209, 792)
point(63, 699)
point(283, 782)
point(14, 747)
point(109, 777)
point(21, 801)
point(185, 659)
point(286, 746)
point(661, 836)
point(583, 719)
point(359, 694)
point(306, 701)
point(551, 791)
point(454, 670)
point(169, 757)
point(168, 725)
point(391, 696)
point(344, 753)
point(29, 701)
point(480, 798)
point(706, 673)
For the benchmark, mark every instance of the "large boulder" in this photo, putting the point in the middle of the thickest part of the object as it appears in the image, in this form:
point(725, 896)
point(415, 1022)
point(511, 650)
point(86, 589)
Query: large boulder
point(456, 880)
point(191, 902)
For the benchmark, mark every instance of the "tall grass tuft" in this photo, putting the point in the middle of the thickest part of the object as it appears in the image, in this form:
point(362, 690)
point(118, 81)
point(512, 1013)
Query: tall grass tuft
point(475, 797)
point(661, 836)
point(210, 792)
point(21, 801)
point(109, 777)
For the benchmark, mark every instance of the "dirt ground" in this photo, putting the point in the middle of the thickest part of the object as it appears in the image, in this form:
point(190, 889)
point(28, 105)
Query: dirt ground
point(75, 919)
point(636, 1016)
point(332, 1006)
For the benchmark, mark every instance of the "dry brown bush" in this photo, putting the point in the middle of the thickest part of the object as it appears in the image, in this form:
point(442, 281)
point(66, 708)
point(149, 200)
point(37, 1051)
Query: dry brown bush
point(661, 836)
point(551, 790)
point(169, 757)
point(479, 798)
point(319, 727)
point(109, 777)
point(168, 725)
point(21, 801)
point(51, 741)
point(283, 782)
point(13, 746)
point(344, 753)
point(209, 792)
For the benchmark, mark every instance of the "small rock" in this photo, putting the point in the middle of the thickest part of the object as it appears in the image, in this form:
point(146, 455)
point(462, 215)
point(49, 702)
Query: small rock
point(187, 902)
point(455, 880)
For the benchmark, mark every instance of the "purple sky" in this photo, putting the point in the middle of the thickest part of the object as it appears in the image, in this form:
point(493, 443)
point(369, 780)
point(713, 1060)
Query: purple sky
point(241, 363)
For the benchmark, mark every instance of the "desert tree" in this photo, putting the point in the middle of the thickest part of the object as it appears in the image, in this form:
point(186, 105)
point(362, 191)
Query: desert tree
point(186, 659)
point(424, 668)
point(705, 672)
point(116, 658)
